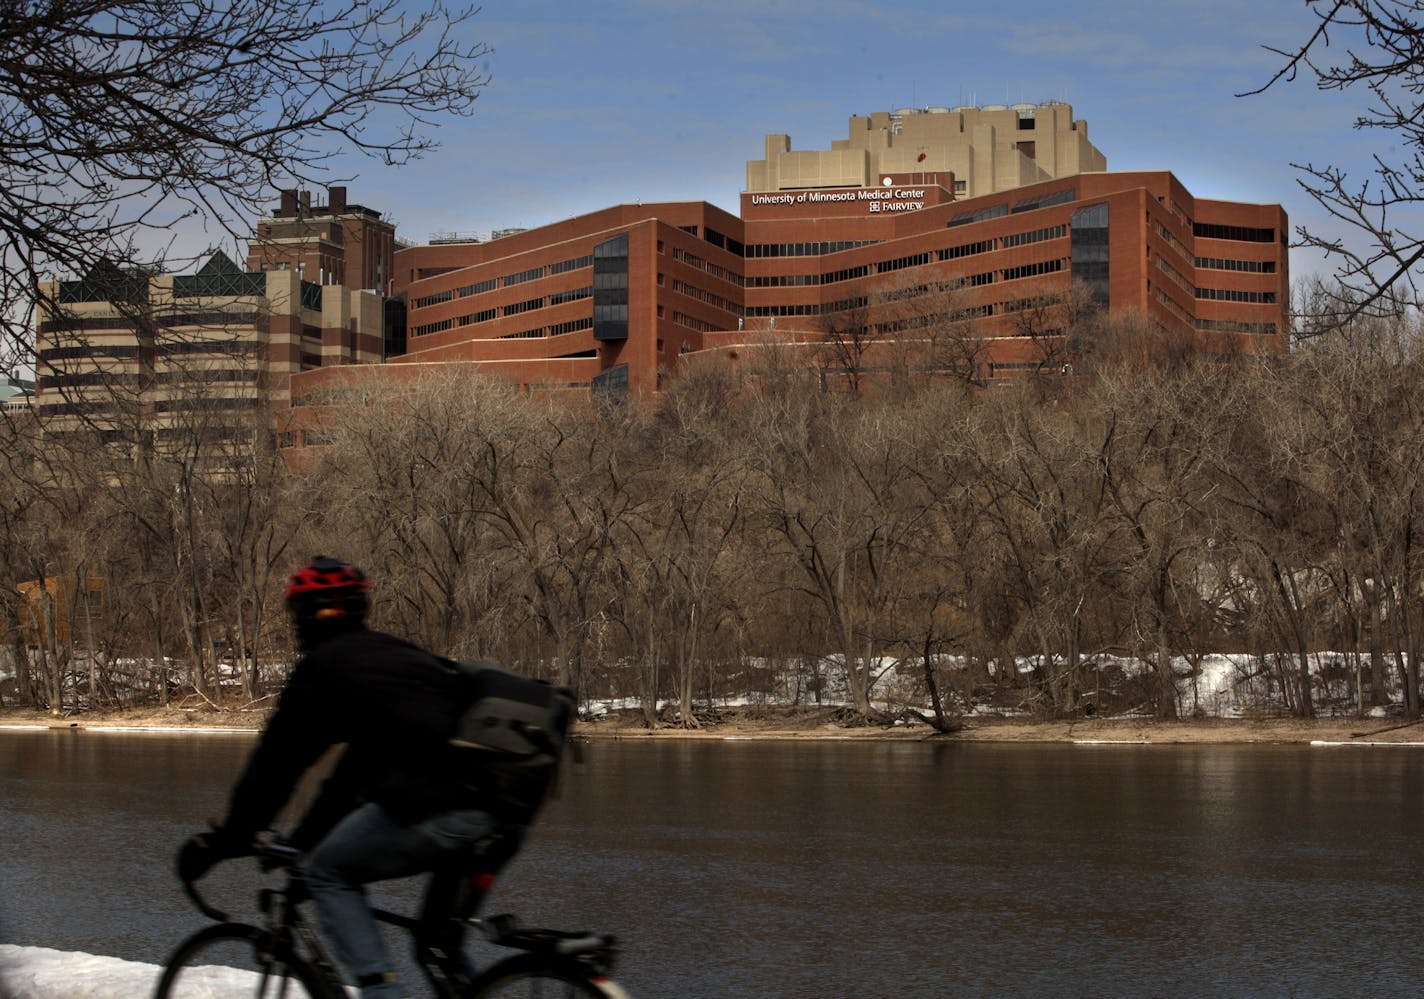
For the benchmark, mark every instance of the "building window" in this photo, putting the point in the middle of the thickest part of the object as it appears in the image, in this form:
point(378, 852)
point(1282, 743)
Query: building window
point(1239, 233)
point(1232, 295)
point(613, 383)
point(610, 289)
point(532, 274)
point(1249, 266)
point(1088, 231)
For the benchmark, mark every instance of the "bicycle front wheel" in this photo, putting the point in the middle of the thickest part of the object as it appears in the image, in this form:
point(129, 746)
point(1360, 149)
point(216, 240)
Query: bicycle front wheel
point(236, 960)
point(531, 976)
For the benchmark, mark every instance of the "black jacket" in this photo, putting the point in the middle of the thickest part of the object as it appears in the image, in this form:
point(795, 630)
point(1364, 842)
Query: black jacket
point(393, 705)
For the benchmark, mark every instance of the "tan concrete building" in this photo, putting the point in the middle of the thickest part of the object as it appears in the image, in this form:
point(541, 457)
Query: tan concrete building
point(972, 151)
point(168, 355)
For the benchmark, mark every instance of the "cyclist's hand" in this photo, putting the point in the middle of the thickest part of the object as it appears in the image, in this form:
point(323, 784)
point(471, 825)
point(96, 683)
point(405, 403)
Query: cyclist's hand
point(202, 852)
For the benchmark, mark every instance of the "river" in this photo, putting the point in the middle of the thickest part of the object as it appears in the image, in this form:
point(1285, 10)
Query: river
point(834, 869)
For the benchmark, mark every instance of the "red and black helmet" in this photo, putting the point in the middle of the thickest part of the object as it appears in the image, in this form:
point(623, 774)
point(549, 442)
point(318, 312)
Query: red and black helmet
point(326, 577)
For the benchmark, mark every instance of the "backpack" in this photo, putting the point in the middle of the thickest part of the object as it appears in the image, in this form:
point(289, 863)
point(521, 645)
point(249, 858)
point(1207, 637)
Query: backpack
point(510, 737)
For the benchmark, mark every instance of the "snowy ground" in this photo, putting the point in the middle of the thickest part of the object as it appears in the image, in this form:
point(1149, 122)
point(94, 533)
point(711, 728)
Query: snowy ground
point(41, 973)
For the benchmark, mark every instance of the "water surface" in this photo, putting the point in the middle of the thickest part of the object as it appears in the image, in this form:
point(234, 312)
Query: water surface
point(831, 869)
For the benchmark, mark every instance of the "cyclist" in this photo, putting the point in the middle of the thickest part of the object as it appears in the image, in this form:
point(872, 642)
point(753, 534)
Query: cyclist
point(397, 803)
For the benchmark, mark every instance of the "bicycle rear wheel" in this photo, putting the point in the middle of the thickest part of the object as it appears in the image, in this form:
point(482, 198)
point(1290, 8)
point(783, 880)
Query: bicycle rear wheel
point(237, 960)
point(532, 976)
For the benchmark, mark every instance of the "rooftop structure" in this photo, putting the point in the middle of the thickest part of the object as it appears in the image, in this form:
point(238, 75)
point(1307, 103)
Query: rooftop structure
point(334, 243)
point(983, 149)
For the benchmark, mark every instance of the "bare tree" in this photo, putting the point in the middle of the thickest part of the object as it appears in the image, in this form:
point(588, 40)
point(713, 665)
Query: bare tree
point(931, 324)
point(1040, 481)
point(849, 334)
point(122, 121)
point(1370, 45)
point(1162, 437)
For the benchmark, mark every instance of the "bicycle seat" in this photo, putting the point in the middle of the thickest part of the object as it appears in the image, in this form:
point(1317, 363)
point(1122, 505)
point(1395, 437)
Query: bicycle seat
point(504, 931)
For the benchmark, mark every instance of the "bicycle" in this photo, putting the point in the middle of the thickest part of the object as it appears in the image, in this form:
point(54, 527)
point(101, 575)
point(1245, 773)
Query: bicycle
point(284, 958)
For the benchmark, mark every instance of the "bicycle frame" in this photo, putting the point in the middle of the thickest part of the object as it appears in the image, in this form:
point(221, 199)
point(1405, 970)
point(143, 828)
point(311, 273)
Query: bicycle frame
point(453, 901)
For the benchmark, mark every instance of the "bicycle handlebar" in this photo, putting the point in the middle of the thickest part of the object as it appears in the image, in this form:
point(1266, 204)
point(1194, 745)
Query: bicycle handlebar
point(271, 855)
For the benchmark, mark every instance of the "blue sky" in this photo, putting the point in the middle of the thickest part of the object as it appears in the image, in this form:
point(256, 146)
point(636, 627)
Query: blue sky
point(594, 104)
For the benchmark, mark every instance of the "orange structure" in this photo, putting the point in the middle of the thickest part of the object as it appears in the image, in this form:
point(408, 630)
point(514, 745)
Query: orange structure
point(48, 606)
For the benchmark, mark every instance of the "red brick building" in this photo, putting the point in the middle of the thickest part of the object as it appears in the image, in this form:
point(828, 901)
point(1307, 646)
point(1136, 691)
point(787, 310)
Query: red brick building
point(627, 295)
point(334, 243)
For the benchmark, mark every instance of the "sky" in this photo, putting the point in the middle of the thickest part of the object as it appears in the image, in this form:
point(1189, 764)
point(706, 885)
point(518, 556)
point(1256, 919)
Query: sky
point(591, 105)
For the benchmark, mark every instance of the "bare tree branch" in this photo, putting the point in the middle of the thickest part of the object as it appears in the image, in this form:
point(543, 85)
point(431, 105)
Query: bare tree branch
point(121, 122)
point(1383, 53)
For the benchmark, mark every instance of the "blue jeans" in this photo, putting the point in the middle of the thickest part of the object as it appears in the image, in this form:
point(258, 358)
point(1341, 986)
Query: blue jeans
point(366, 846)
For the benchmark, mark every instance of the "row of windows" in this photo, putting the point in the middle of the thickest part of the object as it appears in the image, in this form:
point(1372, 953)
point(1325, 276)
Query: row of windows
point(1176, 276)
point(75, 408)
point(1239, 233)
point(205, 405)
point(574, 295)
point(846, 274)
point(171, 349)
point(572, 264)
point(1033, 270)
point(1234, 326)
point(572, 326)
point(846, 304)
point(1036, 269)
point(792, 280)
point(1016, 305)
point(532, 274)
point(978, 215)
point(208, 317)
point(692, 260)
point(98, 350)
point(533, 304)
point(519, 277)
point(784, 310)
point(207, 347)
point(693, 323)
point(81, 379)
point(159, 322)
point(528, 305)
point(1231, 295)
point(435, 299)
point(966, 249)
point(1035, 236)
point(1249, 266)
point(815, 249)
point(209, 375)
point(915, 260)
point(1173, 241)
point(1171, 305)
point(957, 314)
point(949, 254)
point(702, 295)
point(478, 288)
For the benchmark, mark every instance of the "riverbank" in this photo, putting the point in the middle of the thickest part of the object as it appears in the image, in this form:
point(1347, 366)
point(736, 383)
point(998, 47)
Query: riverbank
point(827, 723)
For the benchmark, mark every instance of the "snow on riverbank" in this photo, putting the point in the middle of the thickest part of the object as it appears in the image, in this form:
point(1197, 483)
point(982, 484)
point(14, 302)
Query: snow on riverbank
point(41, 973)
